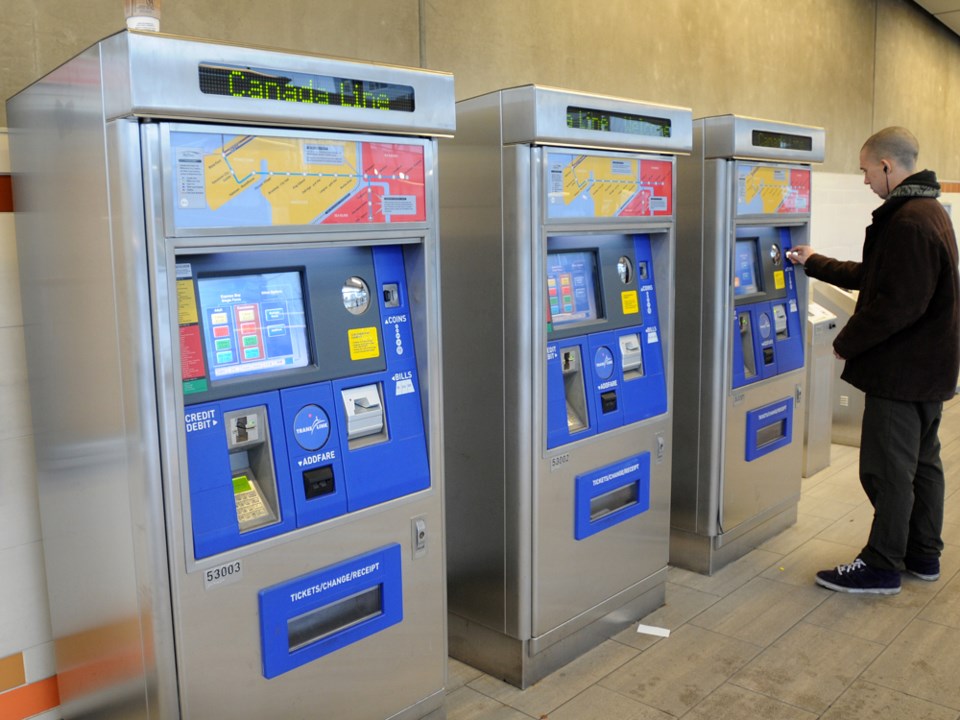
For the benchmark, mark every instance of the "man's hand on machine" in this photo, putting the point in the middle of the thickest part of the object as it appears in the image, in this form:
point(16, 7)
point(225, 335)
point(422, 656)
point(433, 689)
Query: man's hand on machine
point(799, 254)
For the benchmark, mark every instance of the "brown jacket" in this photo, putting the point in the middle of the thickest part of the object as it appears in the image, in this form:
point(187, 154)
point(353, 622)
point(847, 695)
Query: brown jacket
point(903, 340)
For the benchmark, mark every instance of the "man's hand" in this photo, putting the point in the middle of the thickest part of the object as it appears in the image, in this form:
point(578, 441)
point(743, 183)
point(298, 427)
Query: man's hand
point(800, 254)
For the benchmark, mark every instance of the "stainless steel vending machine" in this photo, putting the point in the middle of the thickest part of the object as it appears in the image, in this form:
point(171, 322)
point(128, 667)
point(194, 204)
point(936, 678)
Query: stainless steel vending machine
point(558, 264)
point(744, 200)
point(229, 267)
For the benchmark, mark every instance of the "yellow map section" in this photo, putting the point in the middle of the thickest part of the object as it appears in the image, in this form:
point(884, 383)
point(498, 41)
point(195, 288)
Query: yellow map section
point(297, 191)
point(611, 182)
point(773, 185)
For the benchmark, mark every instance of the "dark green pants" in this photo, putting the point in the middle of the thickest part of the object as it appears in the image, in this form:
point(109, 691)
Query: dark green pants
point(901, 472)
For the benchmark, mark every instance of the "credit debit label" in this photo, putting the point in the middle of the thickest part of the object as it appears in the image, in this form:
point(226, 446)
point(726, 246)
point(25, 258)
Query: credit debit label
point(363, 343)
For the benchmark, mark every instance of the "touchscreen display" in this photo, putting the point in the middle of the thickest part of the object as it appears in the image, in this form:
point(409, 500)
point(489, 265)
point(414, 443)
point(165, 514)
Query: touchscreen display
point(746, 269)
point(573, 287)
point(253, 323)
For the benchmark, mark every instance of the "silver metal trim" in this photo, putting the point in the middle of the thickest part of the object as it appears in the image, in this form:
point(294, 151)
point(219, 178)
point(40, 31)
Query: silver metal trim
point(135, 85)
point(731, 136)
point(537, 114)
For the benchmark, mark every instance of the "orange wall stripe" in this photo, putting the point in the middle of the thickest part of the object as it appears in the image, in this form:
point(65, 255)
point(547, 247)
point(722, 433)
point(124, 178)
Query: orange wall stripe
point(6, 193)
point(11, 672)
point(30, 700)
point(950, 187)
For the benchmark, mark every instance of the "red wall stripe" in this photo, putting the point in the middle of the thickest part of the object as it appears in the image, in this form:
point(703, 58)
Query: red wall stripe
point(30, 700)
point(6, 193)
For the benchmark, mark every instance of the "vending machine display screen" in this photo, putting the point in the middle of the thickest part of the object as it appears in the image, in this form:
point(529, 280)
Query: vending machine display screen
point(746, 277)
point(573, 287)
point(253, 323)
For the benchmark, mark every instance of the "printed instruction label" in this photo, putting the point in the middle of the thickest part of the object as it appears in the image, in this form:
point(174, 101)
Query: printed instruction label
point(363, 343)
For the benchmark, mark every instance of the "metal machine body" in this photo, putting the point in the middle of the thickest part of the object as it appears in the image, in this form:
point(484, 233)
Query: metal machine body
point(744, 200)
point(558, 256)
point(822, 329)
point(847, 401)
point(229, 268)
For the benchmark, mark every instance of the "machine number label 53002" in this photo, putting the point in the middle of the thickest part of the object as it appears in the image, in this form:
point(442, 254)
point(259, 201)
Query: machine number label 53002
point(222, 574)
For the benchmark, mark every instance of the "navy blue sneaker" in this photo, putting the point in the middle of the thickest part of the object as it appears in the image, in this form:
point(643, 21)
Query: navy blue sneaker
point(925, 568)
point(858, 577)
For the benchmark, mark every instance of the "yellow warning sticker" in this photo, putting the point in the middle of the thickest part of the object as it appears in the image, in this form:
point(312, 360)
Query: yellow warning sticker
point(628, 299)
point(186, 302)
point(363, 343)
point(778, 280)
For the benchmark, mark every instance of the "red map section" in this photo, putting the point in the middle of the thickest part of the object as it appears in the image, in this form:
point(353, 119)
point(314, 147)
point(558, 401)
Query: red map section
point(393, 170)
point(656, 197)
point(797, 199)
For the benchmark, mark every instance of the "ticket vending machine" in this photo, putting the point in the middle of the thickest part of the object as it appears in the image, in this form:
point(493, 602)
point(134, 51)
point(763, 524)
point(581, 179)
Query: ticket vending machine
point(558, 252)
point(230, 293)
point(744, 200)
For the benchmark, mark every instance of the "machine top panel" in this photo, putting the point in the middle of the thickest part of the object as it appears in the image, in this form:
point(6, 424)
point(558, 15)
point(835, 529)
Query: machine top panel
point(543, 115)
point(735, 136)
point(164, 76)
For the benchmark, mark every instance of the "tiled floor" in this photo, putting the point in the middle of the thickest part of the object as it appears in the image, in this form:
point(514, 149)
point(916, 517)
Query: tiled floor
point(760, 640)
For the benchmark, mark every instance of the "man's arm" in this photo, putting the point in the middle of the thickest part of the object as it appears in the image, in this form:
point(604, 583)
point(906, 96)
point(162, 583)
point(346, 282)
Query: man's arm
point(845, 274)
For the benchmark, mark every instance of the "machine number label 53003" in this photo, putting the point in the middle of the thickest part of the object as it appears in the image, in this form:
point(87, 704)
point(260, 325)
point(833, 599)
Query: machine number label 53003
point(222, 574)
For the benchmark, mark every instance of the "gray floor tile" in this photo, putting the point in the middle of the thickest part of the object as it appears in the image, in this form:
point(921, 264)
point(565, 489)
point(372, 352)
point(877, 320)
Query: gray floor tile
point(809, 667)
point(730, 702)
point(459, 674)
point(467, 704)
point(871, 617)
point(944, 608)
point(801, 566)
point(852, 529)
point(844, 488)
point(727, 579)
point(760, 611)
point(825, 507)
point(554, 690)
point(866, 701)
point(598, 703)
point(677, 674)
point(806, 527)
point(682, 603)
point(922, 662)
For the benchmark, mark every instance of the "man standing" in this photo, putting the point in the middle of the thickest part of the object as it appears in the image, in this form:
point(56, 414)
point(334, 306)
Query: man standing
point(902, 349)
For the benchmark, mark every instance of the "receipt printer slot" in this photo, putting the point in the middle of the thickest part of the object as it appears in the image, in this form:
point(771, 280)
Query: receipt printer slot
point(631, 356)
point(363, 408)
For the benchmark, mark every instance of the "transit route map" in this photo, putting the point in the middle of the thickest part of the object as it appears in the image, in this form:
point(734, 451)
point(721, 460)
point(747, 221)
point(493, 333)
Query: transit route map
point(602, 186)
point(224, 180)
point(766, 190)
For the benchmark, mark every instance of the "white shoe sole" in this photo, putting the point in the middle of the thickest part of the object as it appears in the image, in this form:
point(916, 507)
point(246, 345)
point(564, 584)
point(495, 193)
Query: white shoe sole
point(857, 591)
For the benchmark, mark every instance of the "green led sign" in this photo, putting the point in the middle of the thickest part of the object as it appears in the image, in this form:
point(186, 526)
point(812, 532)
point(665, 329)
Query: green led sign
point(583, 118)
point(303, 88)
